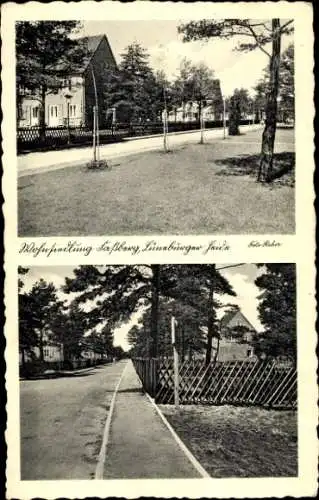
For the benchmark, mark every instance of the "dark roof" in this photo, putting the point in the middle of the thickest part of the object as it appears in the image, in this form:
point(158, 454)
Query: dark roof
point(228, 316)
point(91, 44)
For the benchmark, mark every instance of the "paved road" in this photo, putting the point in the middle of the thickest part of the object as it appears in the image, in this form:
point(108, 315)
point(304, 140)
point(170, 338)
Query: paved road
point(40, 162)
point(62, 423)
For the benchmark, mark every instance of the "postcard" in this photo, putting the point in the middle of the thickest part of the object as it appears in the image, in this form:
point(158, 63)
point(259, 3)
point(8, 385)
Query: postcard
point(159, 249)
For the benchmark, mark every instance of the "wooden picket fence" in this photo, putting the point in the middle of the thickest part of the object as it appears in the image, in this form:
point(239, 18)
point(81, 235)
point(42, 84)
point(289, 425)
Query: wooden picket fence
point(260, 383)
point(35, 139)
point(32, 139)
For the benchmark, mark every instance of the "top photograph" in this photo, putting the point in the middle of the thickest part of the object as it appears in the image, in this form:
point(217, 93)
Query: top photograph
point(155, 127)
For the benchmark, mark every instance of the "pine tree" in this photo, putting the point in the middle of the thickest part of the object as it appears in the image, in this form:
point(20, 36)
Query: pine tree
point(189, 336)
point(198, 286)
point(28, 338)
point(45, 51)
point(68, 327)
point(277, 310)
point(37, 309)
point(234, 115)
point(116, 292)
point(286, 91)
point(259, 34)
point(136, 91)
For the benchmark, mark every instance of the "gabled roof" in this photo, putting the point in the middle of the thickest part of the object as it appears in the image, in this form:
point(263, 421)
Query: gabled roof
point(228, 316)
point(91, 45)
point(92, 42)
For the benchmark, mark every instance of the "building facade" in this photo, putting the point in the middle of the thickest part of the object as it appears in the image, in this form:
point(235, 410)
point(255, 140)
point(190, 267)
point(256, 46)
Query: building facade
point(56, 356)
point(236, 335)
point(72, 104)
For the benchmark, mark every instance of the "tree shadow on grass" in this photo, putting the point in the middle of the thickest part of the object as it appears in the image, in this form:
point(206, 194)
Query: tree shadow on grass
point(283, 167)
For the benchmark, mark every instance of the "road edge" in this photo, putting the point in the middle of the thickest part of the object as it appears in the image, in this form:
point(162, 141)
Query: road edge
point(200, 469)
point(99, 470)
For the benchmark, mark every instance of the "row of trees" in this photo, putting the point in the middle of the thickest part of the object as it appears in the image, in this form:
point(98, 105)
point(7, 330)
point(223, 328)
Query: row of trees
point(46, 50)
point(134, 89)
point(263, 35)
point(190, 293)
point(195, 306)
point(44, 318)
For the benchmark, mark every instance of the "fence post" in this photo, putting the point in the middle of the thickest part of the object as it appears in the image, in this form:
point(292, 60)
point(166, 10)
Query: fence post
point(153, 373)
point(176, 373)
point(224, 118)
point(94, 133)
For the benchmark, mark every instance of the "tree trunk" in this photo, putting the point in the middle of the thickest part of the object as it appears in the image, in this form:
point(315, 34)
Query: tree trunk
point(199, 112)
point(211, 318)
point(183, 344)
point(183, 112)
point(234, 116)
point(190, 353)
point(154, 309)
point(41, 347)
point(217, 350)
point(268, 139)
point(23, 358)
point(19, 108)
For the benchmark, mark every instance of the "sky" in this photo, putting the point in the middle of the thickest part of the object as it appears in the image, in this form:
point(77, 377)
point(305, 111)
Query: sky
point(240, 277)
point(167, 50)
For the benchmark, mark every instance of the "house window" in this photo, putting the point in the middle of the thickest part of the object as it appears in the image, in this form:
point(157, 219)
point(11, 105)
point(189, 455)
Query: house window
point(249, 353)
point(35, 112)
point(54, 111)
point(46, 351)
point(72, 110)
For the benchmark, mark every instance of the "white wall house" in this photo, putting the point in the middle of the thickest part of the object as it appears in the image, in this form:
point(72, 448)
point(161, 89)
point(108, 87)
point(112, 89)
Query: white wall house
point(189, 113)
point(73, 102)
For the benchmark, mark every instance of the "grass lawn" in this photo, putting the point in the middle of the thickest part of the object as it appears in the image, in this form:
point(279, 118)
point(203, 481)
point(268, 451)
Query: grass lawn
point(238, 442)
point(195, 189)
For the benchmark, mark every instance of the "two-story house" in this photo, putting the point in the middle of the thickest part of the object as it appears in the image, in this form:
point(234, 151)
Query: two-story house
point(72, 104)
point(236, 334)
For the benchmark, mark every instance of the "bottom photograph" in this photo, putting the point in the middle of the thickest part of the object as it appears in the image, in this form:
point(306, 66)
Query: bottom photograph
point(158, 371)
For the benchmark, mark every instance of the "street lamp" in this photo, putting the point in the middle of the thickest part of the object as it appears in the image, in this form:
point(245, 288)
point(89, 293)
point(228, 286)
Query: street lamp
point(165, 121)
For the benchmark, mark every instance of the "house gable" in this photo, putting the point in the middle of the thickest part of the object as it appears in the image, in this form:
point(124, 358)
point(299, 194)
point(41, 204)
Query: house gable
point(235, 318)
point(98, 52)
point(97, 72)
point(238, 319)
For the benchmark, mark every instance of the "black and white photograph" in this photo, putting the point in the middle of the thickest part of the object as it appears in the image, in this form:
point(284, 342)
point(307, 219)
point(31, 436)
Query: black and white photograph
point(159, 289)
point(158, 371)
point(155, 127)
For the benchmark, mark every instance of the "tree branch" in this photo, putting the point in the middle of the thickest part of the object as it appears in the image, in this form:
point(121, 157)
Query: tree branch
point(285, 25)
point(257, 41)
